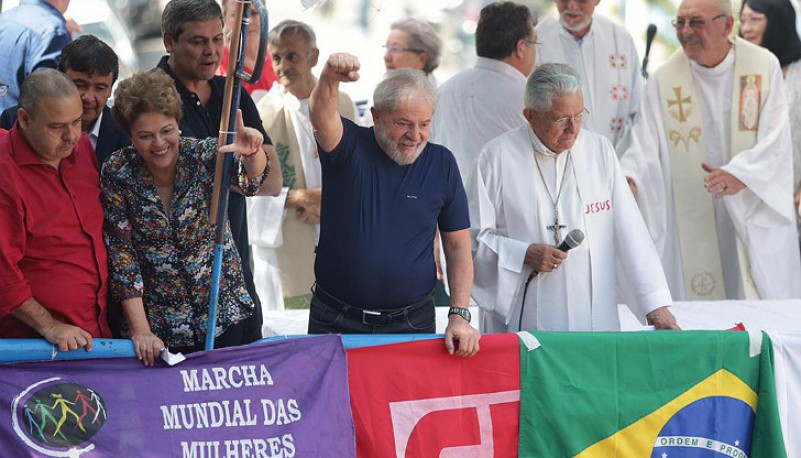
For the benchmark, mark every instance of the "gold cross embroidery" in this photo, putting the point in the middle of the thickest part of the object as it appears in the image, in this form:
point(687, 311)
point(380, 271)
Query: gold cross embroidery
point(680, 102)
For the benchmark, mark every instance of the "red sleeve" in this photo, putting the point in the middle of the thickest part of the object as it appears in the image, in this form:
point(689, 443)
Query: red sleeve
point(14, 287)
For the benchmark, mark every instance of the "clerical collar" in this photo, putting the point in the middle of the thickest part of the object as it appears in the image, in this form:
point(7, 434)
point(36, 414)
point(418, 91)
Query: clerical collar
point(538, 146)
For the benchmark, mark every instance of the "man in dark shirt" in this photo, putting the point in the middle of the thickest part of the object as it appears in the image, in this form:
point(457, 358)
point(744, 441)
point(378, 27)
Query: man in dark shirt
point(193, 37)
point(93, 66)
point(386, 190)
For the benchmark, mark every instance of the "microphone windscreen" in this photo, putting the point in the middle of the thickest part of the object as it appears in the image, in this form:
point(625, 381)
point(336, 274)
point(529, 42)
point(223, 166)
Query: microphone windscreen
point(651, 33)
point(573, 239)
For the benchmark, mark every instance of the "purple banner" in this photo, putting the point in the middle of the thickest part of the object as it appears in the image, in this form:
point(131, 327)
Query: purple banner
point(281, 399)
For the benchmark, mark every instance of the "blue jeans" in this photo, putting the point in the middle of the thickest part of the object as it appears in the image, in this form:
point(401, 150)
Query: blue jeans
point(328, 316)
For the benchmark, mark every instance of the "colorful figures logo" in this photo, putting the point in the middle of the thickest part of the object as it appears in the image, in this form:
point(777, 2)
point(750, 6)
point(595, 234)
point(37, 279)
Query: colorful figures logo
point(57, 419)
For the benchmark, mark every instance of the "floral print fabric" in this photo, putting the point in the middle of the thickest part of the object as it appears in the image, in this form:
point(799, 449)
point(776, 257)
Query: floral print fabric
point(167, 259)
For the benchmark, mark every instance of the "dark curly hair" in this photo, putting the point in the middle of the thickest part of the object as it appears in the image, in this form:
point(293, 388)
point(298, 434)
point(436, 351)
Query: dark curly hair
point(781, 37)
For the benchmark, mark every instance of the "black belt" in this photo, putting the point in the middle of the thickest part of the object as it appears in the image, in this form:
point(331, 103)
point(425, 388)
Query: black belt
point(375, 317)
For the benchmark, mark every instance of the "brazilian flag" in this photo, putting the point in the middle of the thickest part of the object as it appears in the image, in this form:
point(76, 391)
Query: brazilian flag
point(649, 394)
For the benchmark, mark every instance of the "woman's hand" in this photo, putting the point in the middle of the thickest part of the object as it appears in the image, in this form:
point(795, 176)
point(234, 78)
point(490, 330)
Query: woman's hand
point(247, 141)
point(147, 346)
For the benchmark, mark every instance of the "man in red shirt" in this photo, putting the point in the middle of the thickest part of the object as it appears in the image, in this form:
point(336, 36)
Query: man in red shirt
point(53, 271)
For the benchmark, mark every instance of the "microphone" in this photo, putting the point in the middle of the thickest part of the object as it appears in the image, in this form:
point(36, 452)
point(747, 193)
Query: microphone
point(649, 38)
point(573, 239)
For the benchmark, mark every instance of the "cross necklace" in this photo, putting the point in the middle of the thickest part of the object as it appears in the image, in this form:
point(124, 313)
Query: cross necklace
point(556, 227)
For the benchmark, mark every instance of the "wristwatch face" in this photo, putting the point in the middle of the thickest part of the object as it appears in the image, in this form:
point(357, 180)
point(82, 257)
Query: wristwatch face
point(462, 312)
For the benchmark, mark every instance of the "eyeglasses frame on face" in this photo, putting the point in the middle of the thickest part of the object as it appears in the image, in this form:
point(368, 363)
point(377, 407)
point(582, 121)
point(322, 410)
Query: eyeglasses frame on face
point(695, 24)
point(401, 50)
point(562, 123)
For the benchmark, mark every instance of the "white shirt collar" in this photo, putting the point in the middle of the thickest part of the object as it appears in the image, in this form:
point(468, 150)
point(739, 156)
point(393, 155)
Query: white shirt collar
point(94, 133)
point(500, 67)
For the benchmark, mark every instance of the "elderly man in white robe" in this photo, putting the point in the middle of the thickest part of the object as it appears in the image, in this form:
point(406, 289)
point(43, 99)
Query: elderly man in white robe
point(535, 184)
point(604, 56)
point(711, 164)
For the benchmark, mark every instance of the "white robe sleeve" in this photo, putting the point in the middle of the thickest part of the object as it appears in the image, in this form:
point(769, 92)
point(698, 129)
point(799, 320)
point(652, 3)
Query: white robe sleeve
point(764, 169)
point(763, 213)
point(498, 261)
point(638, 264)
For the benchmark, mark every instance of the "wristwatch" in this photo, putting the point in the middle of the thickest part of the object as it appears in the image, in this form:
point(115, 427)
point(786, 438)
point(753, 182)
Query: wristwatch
point(461, 311)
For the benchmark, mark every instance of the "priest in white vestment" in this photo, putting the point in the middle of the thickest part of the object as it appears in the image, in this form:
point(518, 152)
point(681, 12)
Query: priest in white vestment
point(482, 102)
point(535, 184)
point(711, 164)
point(603, 54)
point(285, 229)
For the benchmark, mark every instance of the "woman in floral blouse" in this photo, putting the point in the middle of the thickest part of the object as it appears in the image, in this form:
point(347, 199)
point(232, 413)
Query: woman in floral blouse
point(156, 197)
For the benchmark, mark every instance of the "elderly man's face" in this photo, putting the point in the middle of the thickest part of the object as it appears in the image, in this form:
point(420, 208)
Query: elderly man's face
point(558, 128)
point(576, 15)
point(95, 90)
point(398, 54)
point(703, 31)
point(293, 62)
point(196, 54)
point(53, 128)
point(403, 132)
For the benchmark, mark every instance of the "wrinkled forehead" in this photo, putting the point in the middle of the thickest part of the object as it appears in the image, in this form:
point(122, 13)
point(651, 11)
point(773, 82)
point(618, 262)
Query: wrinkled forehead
point(200, 29)
point(703, 9)
point(61, 109)
point(414, 106)
point(290, 39)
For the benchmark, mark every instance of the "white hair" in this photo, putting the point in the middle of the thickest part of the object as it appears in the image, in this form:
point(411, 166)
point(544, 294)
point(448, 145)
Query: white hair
point(549, 82)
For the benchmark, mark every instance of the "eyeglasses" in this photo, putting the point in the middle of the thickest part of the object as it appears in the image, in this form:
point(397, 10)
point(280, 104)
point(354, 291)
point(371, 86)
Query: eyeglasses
point(563, 123)
point(695, 24)
point(3, 89)
point(530, 42)
point(397, 50)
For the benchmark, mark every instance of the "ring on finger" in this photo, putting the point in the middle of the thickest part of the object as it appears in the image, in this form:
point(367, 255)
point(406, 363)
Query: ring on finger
point(555, 266)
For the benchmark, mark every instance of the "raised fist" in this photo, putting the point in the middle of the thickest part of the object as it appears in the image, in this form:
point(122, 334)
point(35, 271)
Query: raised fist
point(342, 67)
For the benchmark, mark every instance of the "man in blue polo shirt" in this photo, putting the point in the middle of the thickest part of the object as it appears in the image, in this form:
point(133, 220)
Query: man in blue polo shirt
point(386, 190)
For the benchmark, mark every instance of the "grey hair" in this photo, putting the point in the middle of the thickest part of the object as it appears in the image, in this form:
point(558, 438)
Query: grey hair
point(44, 83)
point(725, 7)
point(548, 82)
point(290, 27)
point(178, 12)
point(402, 84)
point(422, 37)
